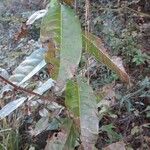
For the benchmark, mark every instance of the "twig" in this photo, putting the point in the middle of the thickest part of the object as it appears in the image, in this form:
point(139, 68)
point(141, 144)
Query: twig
point(138, 12)
point(5, 130)
point(25, 90)
point(125, 7)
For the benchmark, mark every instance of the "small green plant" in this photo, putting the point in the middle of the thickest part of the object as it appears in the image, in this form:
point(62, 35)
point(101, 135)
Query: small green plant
point(10, 139)
point(113, 135)
point(122, 41)
point(139, 58)
point(140, 91)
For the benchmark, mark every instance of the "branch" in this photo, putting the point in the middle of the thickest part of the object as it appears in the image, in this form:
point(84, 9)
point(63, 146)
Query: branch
point(125, 7)
point(138, 12)
point(28, 91)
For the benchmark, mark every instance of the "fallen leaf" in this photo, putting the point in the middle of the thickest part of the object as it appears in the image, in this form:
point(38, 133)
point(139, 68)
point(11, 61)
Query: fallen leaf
point(65, 139)
point(37, 15)
point(107, 96)
point(116, 146)
point(10, 107)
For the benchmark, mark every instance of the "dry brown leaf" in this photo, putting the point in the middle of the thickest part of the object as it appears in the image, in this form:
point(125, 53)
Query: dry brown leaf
point(37, 15)
point(55, 142)
point(147, 139)
point(116, 146)
point(107, 95)
point(68, 2)
point(22, 32)
point(65, 139)
point(118, 62)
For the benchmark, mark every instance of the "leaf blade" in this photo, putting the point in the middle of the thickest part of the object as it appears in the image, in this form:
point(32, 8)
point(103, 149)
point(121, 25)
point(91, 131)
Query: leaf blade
point(65, 139)
point(94, 46)
point(65, 40)
point(33, 72)
point(85, 103)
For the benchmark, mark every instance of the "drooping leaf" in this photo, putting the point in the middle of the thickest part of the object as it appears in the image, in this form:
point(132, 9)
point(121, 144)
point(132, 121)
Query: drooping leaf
point(65, 139)
point(81, 101)
point(94, 46)
point(10, 107)
point(62, 28)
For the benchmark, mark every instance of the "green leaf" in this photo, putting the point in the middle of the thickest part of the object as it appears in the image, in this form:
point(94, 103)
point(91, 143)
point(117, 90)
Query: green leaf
point(113, 136)
point(61, 26)
point(94, 46)
point(72, 96)
point(65, 139)
point(72, 137)
point(81, 101)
